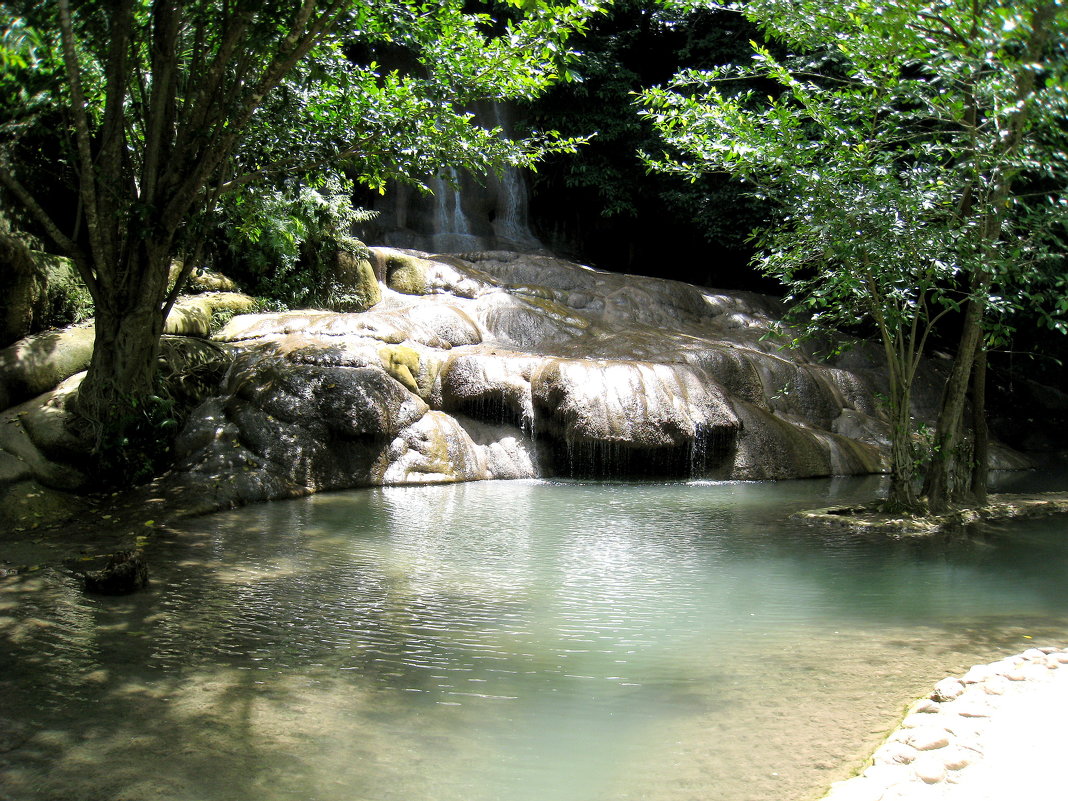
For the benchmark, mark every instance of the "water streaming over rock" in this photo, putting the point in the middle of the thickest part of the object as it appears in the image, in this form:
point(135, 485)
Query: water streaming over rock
point(501, 365)
point(465, 212)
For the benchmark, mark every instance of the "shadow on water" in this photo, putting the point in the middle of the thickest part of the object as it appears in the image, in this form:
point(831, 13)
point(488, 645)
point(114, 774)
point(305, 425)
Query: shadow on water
point(527, 640)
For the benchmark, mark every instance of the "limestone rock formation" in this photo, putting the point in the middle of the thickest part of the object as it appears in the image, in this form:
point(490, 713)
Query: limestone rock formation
point(482, 366)
point(500, 365)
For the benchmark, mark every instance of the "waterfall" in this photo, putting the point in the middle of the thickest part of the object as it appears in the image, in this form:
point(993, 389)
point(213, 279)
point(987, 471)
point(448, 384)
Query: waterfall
point(451, 230)
point(511, 222)
point(463, 213)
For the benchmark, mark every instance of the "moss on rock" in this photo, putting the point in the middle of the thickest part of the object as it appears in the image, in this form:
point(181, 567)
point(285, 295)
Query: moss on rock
point(356, 286)
point(402, 363)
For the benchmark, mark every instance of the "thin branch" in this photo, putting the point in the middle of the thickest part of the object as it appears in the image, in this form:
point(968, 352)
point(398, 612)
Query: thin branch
point(947, 27)
point(87, 184)
point(294, 46)
point(194, 119)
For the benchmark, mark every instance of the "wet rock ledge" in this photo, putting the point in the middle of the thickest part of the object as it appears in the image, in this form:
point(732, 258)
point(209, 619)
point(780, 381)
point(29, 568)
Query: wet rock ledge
point(490, 365)
point(863, 519)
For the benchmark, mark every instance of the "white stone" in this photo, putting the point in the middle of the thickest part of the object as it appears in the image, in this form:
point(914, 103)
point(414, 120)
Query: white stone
point(973, 709)
point(882, 774)
point(858, 789)
point(905, 791)
point(1033, 653)
point(976, 674)
point(895, 754)
point(928, 738)
point(1061, 656)
point(928, 705)
point(948, 689)
point(957, 758)
point(967, 731)
point(1006, 665)
point(996, 685)
point(1033, 671)
point(929, 769)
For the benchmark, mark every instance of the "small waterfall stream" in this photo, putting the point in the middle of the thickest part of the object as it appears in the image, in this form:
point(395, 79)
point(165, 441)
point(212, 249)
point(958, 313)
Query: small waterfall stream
point(511, 221)
point(451, 228)
point(464, 212)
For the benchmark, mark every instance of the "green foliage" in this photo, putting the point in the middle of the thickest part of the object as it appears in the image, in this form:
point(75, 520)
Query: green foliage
point(393, 92)
point(67, 301)
point(896, 109)
point(279, 243)
point(136, 443)
point(603, 196)
point(916, 150)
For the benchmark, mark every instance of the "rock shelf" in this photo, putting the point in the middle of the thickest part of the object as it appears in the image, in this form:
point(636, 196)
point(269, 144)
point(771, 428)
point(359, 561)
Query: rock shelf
point(972, 735)
point(862, 519)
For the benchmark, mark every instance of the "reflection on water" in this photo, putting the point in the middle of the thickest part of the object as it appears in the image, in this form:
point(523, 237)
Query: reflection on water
point(513, 640)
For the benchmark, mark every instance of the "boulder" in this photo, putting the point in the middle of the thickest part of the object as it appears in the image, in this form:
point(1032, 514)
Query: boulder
point(355, 284)
point(40, 362)
point(194, 315)
point(28, 504)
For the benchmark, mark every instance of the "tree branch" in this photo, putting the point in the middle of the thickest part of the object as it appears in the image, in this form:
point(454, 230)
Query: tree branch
point(87, 182)
point(160, 117)
point(299, 40)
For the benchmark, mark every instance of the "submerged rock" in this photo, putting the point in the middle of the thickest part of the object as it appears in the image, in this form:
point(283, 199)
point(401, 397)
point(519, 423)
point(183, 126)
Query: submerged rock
point(500, 365)
point(124, 573)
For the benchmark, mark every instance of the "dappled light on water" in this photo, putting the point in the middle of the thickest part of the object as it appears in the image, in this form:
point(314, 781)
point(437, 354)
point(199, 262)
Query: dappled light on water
point(573, 641)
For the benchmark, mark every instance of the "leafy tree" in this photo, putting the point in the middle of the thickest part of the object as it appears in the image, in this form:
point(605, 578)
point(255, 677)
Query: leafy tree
point(917, 149)
point(282, 243)
point(166, 106)
point(602, 203)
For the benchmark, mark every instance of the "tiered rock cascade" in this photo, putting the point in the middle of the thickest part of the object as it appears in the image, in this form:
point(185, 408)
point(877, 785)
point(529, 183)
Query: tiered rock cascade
point(497, 365)
point(493, 365)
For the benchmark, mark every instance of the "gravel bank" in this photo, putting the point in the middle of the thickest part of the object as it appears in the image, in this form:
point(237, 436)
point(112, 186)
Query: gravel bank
point(999, 731)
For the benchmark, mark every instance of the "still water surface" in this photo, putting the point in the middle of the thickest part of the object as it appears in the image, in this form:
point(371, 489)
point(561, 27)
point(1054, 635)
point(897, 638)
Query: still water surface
point(511, 641)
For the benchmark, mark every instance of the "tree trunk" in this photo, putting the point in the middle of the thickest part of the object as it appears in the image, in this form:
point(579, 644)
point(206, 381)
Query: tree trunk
point(117, 401)
point(939, 482)
point(980, 431)
point(901, 495)
point(124, 364)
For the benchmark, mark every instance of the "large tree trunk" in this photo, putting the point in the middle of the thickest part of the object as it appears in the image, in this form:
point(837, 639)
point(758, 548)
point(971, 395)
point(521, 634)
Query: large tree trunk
point(118, 401)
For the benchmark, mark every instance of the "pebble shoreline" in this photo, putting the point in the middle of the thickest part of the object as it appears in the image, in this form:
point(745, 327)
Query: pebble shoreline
point(929, 754)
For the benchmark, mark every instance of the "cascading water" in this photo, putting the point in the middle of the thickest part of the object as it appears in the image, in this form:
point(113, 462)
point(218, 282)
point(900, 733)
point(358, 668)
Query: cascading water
point(452, 230)
point(511, 223)
point(464, 213)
